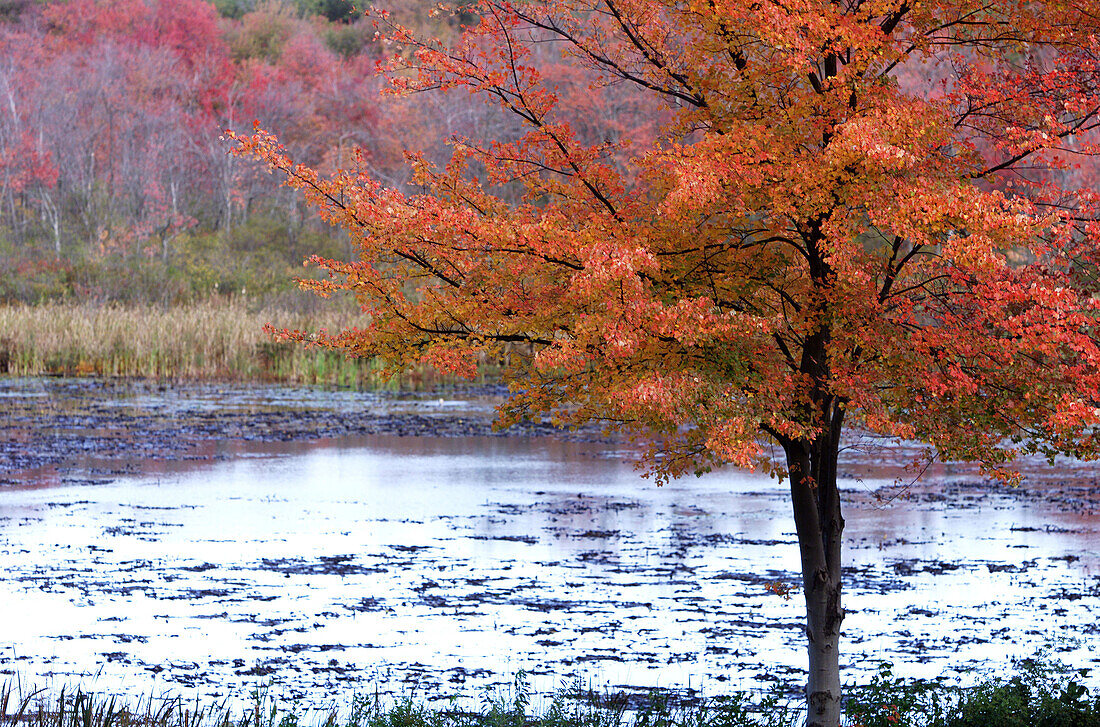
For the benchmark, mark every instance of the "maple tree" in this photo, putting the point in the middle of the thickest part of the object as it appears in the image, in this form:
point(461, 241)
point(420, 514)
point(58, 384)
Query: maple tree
point(861, 213)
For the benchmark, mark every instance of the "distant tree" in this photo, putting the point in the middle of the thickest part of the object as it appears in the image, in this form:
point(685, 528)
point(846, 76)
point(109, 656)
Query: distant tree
point(337, 11)
point(812, 241)
point(234, 9)
point(27, 168)
point(11, 10)
point(264, 31)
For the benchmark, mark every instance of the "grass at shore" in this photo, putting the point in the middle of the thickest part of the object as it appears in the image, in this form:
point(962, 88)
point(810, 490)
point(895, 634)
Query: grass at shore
point(1039, 694)
point(570, 707)
point(212, 339)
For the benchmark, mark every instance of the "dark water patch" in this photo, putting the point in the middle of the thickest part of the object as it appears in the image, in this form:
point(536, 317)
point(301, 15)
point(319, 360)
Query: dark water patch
point(527, 539)
point(331, 565)
point(57, 430)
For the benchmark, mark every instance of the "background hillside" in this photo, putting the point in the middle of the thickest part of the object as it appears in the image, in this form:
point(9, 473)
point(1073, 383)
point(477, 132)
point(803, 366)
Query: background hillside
point(114, 183)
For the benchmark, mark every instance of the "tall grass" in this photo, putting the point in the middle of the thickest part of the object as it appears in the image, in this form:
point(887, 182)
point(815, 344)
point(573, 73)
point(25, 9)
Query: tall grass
point(212, 339)
point(1039, 694)
point(573, 706)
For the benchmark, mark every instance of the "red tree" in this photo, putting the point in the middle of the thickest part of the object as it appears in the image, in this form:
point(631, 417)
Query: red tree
point(108, 112)
point(820, 236)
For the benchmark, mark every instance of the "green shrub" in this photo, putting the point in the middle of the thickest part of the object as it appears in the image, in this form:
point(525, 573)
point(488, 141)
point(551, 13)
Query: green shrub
point(889, 701)
point(1043, 694)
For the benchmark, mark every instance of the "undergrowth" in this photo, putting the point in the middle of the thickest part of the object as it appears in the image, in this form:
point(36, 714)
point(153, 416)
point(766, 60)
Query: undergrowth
point(1040, 693)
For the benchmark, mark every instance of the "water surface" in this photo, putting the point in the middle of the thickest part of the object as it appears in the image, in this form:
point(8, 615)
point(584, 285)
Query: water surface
point(442, 566)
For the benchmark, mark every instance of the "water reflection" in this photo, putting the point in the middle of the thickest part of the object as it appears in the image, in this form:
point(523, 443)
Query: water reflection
point(446, 565)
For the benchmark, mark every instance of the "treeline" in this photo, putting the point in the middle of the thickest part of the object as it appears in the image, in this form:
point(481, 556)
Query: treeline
point(114, 182)
point(116, 186)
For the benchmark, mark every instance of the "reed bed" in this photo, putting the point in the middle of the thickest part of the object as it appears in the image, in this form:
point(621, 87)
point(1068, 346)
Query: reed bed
point(212, 339)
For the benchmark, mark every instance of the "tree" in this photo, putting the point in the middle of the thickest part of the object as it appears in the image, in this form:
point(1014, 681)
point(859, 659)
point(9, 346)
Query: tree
point(860, 213)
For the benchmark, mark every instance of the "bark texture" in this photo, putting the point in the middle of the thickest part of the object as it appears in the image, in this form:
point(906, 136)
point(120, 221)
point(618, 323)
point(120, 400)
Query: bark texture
point(818, 521)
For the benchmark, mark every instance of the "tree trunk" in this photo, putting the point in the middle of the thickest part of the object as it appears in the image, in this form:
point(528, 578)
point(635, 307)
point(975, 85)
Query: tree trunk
point(816, 501)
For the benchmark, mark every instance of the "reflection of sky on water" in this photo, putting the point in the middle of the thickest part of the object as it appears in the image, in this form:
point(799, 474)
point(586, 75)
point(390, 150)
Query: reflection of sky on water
point(440, 565)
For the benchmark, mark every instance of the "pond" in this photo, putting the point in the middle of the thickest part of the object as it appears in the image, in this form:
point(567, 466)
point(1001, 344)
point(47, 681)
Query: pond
point(435, 566)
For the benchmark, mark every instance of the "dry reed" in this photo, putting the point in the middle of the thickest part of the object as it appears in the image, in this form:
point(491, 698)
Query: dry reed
point(214, 339)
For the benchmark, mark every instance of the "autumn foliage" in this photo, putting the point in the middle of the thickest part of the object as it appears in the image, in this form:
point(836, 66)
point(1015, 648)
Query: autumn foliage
point(868, 213)
point(783, 199)
point(110, 160)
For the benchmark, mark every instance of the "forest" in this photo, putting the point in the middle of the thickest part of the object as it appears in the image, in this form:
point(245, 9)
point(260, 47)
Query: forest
point(115, 182)
point(120, 199)
point(116, 185)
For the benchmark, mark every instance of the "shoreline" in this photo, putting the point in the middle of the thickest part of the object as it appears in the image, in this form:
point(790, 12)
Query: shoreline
point(89, 429)
point(84, 430)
